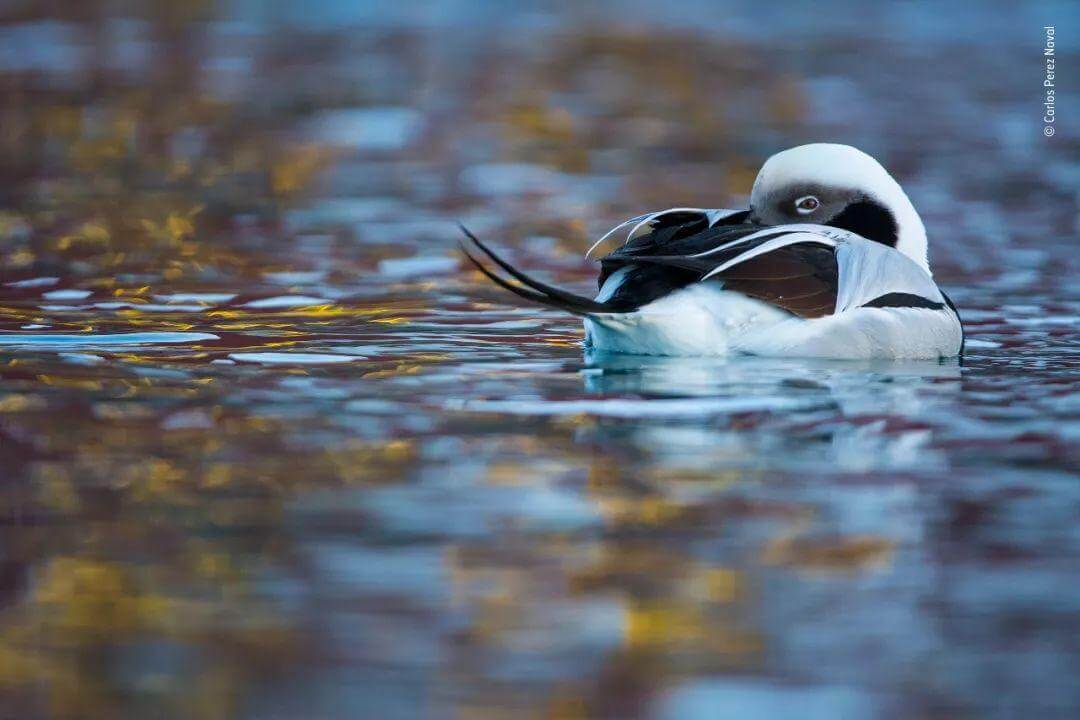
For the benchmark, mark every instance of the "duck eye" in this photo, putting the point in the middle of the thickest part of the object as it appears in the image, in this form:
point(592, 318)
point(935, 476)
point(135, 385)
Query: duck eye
point(806, 205)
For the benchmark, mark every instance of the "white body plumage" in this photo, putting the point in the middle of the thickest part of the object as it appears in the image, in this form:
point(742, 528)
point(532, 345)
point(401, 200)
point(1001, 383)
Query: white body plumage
point(706, 320)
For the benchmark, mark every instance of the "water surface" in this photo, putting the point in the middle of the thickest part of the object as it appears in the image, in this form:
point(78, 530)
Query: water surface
point(270, 450)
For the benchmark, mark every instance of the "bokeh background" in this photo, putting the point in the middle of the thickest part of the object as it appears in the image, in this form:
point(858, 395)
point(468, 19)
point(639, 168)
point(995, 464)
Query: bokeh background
point(268, 449)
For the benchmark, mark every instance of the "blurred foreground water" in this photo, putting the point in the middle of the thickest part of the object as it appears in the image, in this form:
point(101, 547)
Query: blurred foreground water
point(268, 450)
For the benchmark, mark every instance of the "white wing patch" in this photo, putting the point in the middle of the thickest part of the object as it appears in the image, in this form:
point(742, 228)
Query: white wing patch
point(868, 270)
point(614, 281)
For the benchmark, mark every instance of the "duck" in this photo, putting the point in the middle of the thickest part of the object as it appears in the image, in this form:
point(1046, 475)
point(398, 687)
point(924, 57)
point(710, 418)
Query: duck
point(829, 260)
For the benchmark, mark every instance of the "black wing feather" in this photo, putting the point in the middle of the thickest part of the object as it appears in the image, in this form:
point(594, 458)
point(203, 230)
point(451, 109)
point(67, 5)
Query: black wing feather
point(801, 279)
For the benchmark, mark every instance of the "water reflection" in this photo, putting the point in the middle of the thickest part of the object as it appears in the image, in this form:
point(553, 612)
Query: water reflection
point(269, 450)
point(858, 414)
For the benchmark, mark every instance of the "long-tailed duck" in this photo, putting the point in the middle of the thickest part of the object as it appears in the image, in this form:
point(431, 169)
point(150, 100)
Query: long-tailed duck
point(828, 261)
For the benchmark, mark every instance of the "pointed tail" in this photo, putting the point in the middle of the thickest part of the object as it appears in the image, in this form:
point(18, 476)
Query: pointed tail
point(527, 287)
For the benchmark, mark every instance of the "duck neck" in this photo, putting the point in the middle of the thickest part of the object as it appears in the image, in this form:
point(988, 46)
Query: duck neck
point(887, 217)
point(910, 232)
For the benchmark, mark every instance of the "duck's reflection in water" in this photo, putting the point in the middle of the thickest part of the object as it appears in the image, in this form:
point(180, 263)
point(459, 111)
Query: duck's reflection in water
point(716, 534)
point(814, 469)
point(660, 376)
point(773, 414)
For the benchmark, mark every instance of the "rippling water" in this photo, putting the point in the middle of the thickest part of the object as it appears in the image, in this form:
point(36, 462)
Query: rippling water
point(270, 450)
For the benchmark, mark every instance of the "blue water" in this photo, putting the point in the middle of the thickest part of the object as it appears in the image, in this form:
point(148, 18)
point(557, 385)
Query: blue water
point(269, 449)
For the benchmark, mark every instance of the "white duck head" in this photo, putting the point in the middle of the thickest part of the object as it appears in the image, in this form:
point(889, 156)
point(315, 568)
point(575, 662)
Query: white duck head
point(841, 186)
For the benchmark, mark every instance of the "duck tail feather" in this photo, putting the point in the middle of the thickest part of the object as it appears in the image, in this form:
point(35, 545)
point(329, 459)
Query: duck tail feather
point(527, 287)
